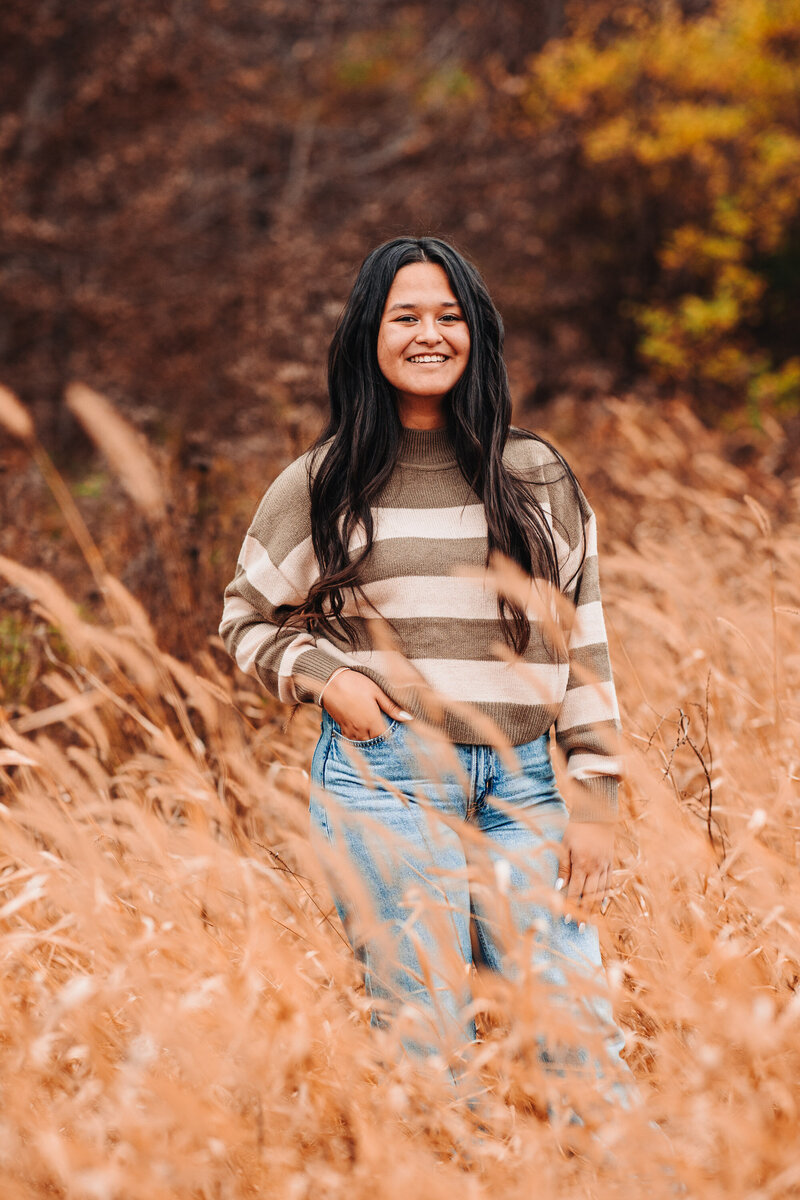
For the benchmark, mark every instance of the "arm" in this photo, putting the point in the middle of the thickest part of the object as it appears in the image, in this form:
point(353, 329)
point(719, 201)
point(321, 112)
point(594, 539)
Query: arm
point(276, 568)
point(588, 725)
point(587, 729)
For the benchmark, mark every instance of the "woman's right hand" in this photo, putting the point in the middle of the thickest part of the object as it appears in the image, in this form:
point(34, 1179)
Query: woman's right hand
point(356, 702)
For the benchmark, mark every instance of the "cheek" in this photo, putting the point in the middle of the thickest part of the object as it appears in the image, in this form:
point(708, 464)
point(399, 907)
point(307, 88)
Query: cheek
point(462, 344)
point(387, 354)
point(389, 345)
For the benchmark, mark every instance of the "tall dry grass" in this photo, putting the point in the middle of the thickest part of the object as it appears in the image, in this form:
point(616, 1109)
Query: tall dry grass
point(181, 1016)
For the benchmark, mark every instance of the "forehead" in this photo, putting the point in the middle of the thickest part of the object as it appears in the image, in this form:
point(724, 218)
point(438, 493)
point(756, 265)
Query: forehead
point(420, 283)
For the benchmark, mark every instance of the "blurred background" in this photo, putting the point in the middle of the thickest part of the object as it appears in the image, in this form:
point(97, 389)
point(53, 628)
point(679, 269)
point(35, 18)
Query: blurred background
point(188, 190)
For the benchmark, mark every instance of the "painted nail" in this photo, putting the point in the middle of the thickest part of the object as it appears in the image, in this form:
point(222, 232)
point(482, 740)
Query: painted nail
point(405, 716)
point(581, 927)
point(567, 919)
point(559, 884)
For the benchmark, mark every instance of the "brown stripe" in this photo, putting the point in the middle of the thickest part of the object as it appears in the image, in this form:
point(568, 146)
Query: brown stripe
point(401, 557)
point(447, 638)
point(589, 738)
point(592, 658)
point(443, 488)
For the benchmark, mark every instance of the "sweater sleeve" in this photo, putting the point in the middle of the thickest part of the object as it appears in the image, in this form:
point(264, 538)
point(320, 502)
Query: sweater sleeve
point(276, 568)
point(588, 726)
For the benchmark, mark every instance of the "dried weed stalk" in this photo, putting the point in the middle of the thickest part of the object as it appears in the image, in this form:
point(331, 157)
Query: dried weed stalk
point(182, 1018)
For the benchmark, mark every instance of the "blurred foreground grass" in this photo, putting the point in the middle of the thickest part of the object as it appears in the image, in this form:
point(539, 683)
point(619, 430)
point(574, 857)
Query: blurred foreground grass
point(180, 1016)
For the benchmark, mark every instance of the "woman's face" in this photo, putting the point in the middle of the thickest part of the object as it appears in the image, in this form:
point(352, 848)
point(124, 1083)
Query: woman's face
point(423, 339)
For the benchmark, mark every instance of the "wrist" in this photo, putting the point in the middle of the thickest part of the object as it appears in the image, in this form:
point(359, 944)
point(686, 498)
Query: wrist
point(330, 679)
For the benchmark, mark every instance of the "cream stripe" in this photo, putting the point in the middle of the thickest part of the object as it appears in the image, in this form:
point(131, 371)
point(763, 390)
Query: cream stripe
point(567, 559)
point(256, 639)
point(467, 521)
point(249, 646)
point(459, 597)
point(234, 608)
point(458, 679)
point(287, 584)
point(587, 705)
point(290, 582)
point(429, 596)
point(588, 628)
point(588, 766)
point(494, 682)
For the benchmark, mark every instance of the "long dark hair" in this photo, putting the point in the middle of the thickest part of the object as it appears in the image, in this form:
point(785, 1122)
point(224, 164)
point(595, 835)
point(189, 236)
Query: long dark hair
point(365, 429)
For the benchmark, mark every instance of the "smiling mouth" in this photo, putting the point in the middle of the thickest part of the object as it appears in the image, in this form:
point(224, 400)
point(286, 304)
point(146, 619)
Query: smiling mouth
point(428, 358)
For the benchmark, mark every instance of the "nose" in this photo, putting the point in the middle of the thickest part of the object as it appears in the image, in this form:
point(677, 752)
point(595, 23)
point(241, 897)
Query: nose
point(428, 333)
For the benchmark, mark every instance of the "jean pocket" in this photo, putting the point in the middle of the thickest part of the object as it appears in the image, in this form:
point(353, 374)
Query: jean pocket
point(391, 725)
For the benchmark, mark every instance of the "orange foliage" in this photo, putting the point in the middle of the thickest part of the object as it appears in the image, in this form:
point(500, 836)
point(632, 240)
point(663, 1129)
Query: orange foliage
point(697, 123)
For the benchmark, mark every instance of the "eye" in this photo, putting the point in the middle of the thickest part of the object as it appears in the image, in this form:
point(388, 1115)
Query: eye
point(451, 317)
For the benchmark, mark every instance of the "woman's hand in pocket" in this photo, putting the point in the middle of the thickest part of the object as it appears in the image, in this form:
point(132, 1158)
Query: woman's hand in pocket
point(356, 702)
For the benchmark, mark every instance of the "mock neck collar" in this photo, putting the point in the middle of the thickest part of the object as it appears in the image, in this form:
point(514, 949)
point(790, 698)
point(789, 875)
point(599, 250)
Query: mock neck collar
point(426, 447)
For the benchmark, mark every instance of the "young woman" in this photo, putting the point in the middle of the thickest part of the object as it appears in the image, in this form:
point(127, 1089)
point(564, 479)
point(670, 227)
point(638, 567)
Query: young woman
point(362, 586)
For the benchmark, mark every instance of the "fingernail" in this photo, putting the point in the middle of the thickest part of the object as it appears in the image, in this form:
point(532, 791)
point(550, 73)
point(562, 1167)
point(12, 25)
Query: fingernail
point(567, 919)
point(559, 884)
point(604, 906)
point(581, 927)
point(404, 716)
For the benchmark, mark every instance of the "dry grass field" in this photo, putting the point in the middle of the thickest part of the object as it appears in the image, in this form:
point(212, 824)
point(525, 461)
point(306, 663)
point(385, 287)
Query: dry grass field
point(180, 1016)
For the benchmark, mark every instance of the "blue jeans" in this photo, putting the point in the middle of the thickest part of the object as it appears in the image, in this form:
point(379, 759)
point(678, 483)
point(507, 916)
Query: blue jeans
point(421, 840)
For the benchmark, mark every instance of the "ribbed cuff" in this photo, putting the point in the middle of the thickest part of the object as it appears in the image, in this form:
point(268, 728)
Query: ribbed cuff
point(595, 799)
point(312, 670)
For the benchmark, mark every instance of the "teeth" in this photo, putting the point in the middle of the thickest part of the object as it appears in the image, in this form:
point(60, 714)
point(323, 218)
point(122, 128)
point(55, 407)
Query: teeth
point(421, 358)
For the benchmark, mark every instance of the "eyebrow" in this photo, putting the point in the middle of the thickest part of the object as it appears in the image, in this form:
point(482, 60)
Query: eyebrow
point(443, 304)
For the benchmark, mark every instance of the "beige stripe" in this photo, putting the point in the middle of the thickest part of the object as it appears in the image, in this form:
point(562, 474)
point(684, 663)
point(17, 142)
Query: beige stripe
point(588, 704)
point(445, 612)
point(395, 596)
point(459, 679)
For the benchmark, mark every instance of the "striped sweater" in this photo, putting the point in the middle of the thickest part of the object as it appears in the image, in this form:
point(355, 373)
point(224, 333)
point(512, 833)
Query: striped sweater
point(441, 660)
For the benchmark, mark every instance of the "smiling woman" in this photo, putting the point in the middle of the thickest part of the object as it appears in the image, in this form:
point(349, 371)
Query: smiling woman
point(390, 520)
point(423, 342)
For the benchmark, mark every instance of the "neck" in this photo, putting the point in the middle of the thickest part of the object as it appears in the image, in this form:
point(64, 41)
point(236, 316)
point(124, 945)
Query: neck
point(420, 412)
